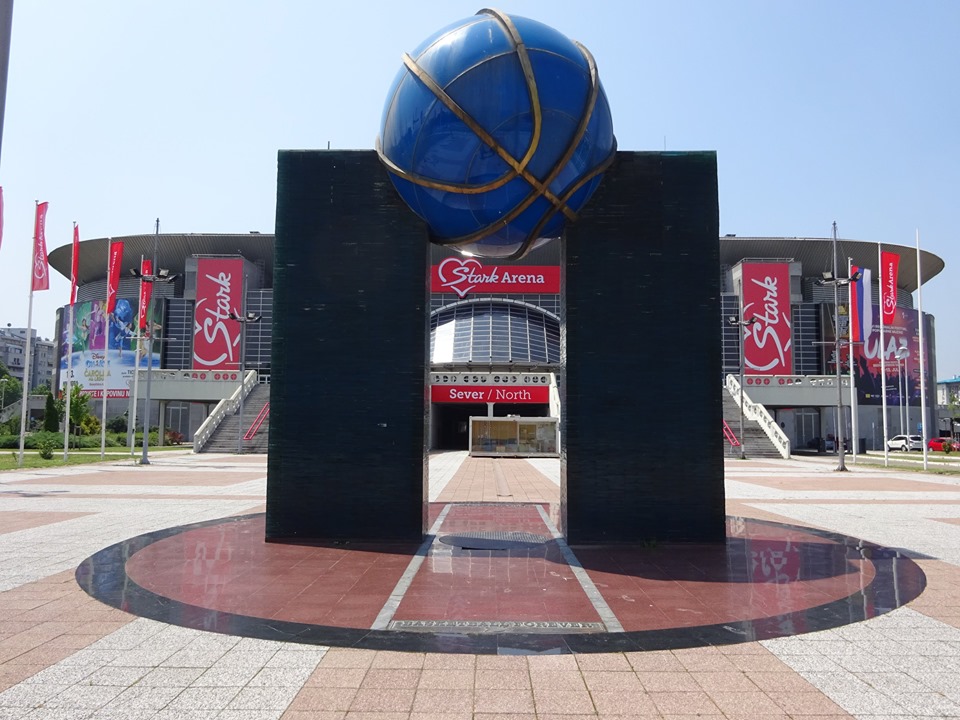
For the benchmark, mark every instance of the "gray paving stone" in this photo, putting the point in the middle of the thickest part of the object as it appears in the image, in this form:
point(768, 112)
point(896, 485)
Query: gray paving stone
point(203, 698)
point(282, 677)
point(263, 698)
point(84, 696)
point(218, 676)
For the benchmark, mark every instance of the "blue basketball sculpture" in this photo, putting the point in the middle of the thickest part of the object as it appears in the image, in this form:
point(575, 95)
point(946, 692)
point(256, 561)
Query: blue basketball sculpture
point(496, 132)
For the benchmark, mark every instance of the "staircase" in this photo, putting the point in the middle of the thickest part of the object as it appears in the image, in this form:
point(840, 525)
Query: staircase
point(225, 437)
point(756, 444)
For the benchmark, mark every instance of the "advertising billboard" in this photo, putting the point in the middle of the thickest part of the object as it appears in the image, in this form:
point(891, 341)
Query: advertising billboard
point(216, 338)
point(100, 347)
point(468, 275)
point(767, 343)
point(903, 374)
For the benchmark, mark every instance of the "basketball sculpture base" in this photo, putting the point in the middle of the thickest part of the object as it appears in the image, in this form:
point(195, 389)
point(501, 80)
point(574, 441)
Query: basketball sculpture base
point(349, 359)
point(642, 454)
point(642, 448)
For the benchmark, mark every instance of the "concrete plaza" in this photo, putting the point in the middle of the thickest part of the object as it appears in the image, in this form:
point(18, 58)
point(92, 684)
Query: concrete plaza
point(64, 654)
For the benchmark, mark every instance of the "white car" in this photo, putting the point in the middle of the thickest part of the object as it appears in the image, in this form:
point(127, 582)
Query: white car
point(905, 443)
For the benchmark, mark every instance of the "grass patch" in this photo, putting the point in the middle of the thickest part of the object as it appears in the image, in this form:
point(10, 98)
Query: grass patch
point(84, 456)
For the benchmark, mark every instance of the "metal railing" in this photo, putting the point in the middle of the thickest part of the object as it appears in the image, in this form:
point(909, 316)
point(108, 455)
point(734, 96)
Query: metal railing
point(227, 406)
point(730, 435)
point(758, 413)
point(257, 422)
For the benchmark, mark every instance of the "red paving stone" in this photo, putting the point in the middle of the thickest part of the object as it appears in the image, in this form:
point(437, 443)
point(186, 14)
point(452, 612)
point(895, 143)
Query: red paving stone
point(846, 483)
point(15, 520)
point(229, 567)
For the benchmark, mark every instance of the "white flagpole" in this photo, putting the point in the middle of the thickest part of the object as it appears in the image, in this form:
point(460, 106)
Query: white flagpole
point(26, 373)
point(26, 355)
point(923, 384)
point(66, 410)
point(883, 364)
point(132, 412)
point(853, 387)
point(106, 360)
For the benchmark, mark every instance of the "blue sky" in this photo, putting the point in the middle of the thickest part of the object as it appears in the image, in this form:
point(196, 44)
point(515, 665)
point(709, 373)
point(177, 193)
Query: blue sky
point(119, 112)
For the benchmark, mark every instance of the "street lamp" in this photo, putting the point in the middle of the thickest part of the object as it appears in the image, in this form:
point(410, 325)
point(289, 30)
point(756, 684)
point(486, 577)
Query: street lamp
point(160, 276)
point(830, 278)
point(741, 325)
point(244, 320)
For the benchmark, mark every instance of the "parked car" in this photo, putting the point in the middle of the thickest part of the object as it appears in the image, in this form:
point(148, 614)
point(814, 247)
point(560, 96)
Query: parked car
point(905, 442)
point(937, 444)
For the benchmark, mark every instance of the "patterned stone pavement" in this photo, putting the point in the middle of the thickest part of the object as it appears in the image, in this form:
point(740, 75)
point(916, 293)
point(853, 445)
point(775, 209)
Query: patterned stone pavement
point(65, 655)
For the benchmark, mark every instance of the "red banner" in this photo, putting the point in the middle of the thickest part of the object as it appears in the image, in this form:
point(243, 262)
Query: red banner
point(489, 393)
point(41, 270)
point(767, 343)
point(889, 267)
point(468, 275)
point(146, 291)
point(113, 274)
point(75, 264)
point(216, 338)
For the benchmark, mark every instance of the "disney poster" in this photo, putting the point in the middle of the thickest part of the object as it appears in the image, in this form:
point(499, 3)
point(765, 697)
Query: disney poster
point(95, 336)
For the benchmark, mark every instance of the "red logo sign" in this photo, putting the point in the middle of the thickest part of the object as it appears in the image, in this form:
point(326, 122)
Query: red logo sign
point(466, 275)
point(216, 338)
point(41, 276)
point(766, 296)
point(889, 267)
point(489, 393)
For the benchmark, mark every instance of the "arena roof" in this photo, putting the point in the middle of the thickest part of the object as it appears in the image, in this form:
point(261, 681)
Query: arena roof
point(172, 252)
point(814, 253)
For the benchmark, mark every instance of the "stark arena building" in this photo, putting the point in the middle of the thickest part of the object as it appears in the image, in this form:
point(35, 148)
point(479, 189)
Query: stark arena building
point(495, 339)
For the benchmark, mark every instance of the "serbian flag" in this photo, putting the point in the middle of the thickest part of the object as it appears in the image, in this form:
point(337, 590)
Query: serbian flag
point(146, 290)
point(889, 266)
point(861, 306)
point(113, 274)
point(41, 270)
point(75, 265)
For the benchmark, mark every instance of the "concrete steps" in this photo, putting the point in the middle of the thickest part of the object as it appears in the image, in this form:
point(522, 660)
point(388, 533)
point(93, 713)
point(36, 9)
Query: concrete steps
point(756, 444)
point(227, 437)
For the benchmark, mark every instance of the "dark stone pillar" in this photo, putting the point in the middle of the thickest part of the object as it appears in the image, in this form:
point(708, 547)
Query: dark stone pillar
point(641, 432)
point(350, 351)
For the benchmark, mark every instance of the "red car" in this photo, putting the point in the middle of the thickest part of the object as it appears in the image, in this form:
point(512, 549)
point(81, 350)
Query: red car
point(938, 443)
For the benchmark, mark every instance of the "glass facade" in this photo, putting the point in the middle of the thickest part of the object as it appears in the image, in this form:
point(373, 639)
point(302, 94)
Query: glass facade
point(494, 332)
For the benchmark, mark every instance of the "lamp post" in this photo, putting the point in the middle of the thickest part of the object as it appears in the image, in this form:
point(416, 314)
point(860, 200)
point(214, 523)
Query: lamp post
point(3, 393)
point(830, 278)
point(244, 321)
point(159, 276)
point(741, 328)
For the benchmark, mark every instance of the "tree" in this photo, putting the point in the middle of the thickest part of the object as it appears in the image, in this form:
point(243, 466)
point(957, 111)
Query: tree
point(51, 418)
point(79, 406)
point(10, 387)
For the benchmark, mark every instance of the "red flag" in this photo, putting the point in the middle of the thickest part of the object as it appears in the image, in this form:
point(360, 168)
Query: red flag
point(113, 274)
point(889, 265)
point(146, 290)
point(75, 267)
point(41, 270)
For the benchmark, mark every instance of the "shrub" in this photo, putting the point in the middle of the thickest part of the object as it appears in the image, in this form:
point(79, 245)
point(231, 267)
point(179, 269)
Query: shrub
point(45, 448)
